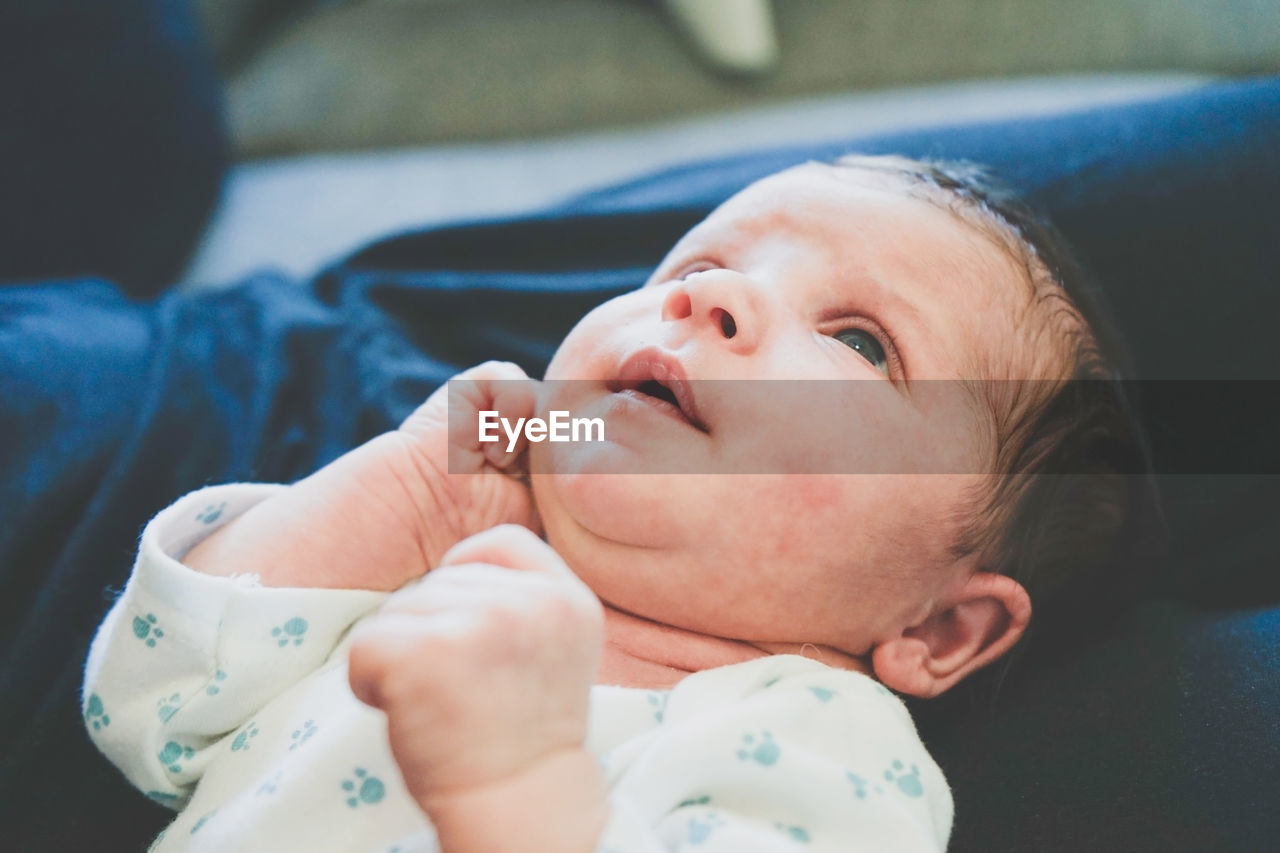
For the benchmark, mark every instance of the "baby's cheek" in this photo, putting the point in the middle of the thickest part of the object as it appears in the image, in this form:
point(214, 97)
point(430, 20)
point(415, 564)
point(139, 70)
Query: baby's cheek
point(579, 355)
point(764, 516)
point(807, 495)
point(837, 514)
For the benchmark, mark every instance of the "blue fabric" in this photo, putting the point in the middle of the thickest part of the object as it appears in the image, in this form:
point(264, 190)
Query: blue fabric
point(112, 140)
point(1161, 735)
point(110, 408)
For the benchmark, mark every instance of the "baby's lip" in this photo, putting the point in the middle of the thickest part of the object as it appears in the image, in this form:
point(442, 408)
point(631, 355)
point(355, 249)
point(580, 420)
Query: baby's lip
point(656, 366)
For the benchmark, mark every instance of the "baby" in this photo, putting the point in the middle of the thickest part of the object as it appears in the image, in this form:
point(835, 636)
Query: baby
point(686, 662)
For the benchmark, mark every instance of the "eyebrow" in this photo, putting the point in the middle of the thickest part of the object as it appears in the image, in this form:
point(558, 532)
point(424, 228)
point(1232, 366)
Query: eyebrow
point(901, 305)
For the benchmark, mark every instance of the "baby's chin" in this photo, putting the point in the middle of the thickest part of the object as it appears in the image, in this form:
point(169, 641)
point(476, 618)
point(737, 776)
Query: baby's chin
point(625, 509)
point(600, 489)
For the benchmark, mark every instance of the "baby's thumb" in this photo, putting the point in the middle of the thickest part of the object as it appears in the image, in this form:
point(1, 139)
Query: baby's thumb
point(379, 646)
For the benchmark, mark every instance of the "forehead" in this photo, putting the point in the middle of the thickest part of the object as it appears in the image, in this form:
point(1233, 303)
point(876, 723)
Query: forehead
point(843, 212)
point(957, 295)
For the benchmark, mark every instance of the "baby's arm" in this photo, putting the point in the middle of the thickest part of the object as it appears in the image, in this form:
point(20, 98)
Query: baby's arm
point(240, 591)
point(384, 513)
point(184, 660)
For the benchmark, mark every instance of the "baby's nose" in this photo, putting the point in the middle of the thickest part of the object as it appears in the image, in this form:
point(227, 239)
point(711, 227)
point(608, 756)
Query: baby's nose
point(721, 302)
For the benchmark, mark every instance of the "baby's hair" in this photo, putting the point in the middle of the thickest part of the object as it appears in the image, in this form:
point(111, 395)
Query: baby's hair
point(1073, 513)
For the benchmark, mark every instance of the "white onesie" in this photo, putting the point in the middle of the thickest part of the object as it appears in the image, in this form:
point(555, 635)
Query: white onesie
point(228, 701)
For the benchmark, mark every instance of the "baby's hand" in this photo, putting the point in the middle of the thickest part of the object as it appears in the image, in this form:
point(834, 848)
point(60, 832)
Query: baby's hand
point(484, 669)
point(386, 512)
point(473, 486)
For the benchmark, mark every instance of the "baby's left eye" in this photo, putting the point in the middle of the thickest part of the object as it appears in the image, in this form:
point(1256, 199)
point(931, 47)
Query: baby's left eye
point(689, 269)
point(864, 344)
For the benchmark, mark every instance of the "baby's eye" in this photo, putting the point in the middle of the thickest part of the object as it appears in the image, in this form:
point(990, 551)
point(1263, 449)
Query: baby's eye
point(864, 344)
point(689, 269)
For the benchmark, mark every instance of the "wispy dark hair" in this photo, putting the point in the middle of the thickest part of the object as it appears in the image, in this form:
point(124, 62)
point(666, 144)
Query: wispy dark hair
point(1072, 513)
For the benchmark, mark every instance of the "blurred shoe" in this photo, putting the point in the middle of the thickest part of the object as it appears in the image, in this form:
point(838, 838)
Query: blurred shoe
point(736, 36)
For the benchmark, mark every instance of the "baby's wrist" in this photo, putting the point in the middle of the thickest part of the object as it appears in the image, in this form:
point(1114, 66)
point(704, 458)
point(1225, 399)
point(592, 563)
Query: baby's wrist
point(440, 523)
point(558, 805)
point(357, 523)
point(267, 542)
point(455, 505)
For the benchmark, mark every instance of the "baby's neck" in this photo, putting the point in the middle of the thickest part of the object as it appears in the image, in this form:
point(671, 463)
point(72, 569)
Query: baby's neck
point(642, 653)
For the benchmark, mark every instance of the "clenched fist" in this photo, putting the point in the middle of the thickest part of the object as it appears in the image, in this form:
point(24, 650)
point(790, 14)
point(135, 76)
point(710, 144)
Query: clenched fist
point(484, 669)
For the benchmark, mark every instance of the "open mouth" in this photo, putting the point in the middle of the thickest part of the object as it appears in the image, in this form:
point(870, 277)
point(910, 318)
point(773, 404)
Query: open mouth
point(654, 388)
point(661, 384)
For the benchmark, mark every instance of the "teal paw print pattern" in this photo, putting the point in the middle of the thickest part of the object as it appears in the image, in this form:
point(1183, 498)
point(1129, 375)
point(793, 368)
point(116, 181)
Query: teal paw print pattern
point(173, 753)
point(95, 714)
point(215, 687)
point(290, 632)
point(146, 629)
point(908, 783)
point(695, 801)
point(241, 742)
point(202, 821)
point(762, 750)
point(861, 786)
point(302, 735)
point(269, 787)
point(162, 798)
point(795, 833)
point(700, 828)
point(822, 693)
point(658, 702)
point(211, 513)
point(167, 706)
point(363, 789)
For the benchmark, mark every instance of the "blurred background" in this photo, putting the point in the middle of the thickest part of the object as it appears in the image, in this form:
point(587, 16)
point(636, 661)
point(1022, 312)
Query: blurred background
point(358, 74)
point(361, 117)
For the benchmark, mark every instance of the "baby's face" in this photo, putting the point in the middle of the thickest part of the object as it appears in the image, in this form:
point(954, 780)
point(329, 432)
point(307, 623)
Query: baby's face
point(814, 273)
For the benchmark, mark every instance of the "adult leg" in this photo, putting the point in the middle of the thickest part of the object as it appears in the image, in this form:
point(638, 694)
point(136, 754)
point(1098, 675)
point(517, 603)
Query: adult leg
point(112, 140)
point(109, 410)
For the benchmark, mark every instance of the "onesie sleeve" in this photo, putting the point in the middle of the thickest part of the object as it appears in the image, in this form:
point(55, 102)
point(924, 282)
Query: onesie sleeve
point(183, 659)
point(777, 755)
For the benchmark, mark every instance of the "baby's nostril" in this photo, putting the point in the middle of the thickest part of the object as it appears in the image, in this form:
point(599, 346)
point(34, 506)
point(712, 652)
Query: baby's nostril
point(727, 326)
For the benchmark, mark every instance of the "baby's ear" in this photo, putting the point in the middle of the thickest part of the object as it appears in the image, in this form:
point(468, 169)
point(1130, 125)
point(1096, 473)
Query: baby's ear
point(979, 624)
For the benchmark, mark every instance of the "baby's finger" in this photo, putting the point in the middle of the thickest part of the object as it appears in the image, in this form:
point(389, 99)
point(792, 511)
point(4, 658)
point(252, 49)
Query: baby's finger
point(384, 646)
point(514, 399)
point(465, 393)
point(499, 387)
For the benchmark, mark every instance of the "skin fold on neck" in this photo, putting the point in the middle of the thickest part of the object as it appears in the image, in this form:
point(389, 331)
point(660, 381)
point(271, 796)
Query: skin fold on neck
point(642, 653)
